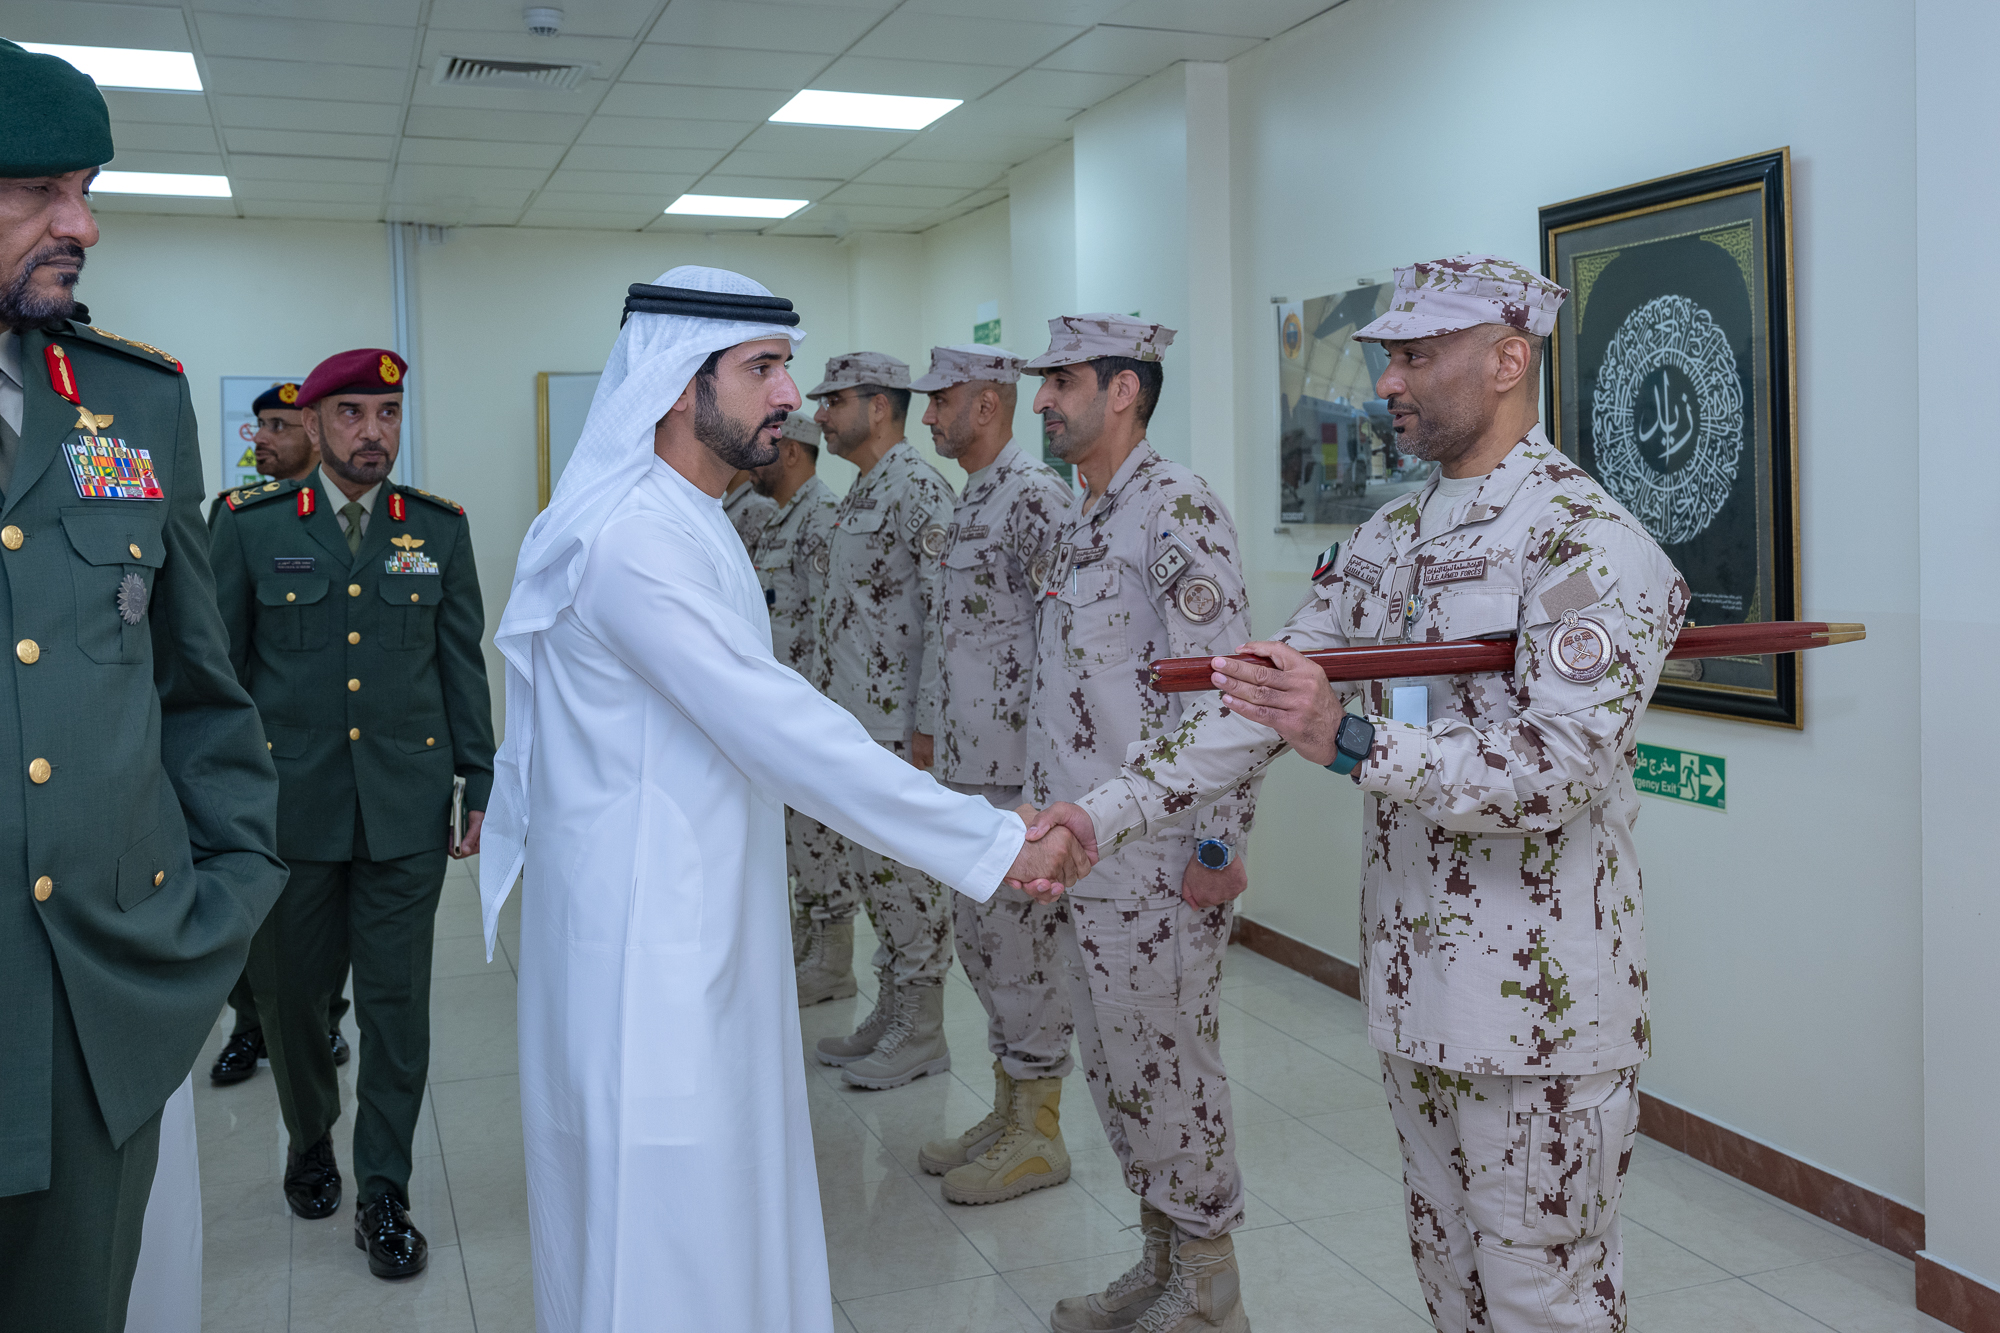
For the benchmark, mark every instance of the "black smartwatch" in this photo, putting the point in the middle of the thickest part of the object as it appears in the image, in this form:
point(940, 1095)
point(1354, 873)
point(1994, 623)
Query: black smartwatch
point(1352, 741)
point(1214, 853)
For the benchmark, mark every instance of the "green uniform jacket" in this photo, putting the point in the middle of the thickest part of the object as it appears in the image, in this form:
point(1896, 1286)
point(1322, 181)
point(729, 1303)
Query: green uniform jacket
point(371, 681)
point(154, 824)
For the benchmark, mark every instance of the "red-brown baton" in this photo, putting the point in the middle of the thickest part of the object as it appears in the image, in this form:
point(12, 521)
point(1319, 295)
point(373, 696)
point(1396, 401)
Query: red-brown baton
point(1174, 675)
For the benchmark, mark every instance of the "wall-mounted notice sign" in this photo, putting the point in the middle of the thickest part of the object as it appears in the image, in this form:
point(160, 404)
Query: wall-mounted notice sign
point(1683, 775)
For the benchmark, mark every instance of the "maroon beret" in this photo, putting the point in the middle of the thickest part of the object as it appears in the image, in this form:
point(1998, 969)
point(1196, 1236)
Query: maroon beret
point(363, 370)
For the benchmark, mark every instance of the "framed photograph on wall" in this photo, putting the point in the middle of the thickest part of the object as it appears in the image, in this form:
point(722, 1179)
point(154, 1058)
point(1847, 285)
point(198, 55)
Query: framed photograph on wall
point(562, 401)
point(1670, 379)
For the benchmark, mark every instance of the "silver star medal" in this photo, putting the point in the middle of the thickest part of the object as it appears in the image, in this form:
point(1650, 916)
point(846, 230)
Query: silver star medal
point(131, 599)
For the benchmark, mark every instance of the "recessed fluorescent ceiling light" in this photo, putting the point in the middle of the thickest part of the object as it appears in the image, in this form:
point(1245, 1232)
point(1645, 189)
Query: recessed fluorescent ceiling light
point(735, 206)
point(866, 111)
point(126, 67)
point(160, 182)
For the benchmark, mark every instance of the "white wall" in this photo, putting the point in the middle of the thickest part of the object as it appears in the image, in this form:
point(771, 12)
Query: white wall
point(1041, 222)
point(1786, 955)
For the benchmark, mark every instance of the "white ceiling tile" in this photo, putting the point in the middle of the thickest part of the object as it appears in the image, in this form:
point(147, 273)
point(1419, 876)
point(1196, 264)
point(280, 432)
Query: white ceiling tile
point(659, 161)
point(557, 101)
point(866, 216)
point(133, 136)
point(309, 192)
point(910, 36)
point(900, 196)
point(766, 187)
point(146, 159)
point(911, 78)
point(80, 23)
point(258, 37)
point(654, 185)
point(157, 203)
point(275, 208)
point(1008, 148)
point(595, 18)
point(475, 153)
point(393, 13)
point(678, 100)
point(338, 170)
point(722, 67)
point(607, 53)
point(625, 203)
point(1241, 18)
point(297, 113)
point(1065, 88)
point(968, 175)
point(307, 143)
point(426, 180)
point(231, 75)
point(438, 122)
point(557, 219)
point(157, 108)
point(1073, 13)
point(1142, 51)
point(452, 213)
point(771, 27)
point(864, 145)
point(648, 132)
point(675, 222)
point(807, 166)
point(996, 117)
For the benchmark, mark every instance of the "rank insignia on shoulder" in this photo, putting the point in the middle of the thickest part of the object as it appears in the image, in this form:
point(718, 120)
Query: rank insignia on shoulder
point(148, 348)
point(438, 500)
point(244, 496)
point(1323, 571)
point(410, 562)
point(108, 469)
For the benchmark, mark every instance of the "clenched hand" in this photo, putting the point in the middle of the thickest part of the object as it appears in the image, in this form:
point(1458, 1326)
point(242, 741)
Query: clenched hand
point(1291, 697)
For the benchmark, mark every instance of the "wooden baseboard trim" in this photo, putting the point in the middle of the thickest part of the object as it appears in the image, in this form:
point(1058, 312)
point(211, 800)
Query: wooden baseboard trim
point(1959, 1299)
point(1875, 1217)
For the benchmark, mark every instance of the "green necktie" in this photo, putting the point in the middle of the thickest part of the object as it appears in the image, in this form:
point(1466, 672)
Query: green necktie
point(352, 511)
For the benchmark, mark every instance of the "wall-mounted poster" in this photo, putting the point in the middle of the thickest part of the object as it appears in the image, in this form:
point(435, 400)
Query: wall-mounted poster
point(1337, 455)
point(1670, 379)
point(562, 401)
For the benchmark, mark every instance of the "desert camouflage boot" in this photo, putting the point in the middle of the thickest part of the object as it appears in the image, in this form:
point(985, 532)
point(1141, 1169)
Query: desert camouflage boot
point(1132, 1293)
point(827, 970)
point(1203, 1293)
point(839, 1051)
point(1028, 1155)
point(941, 1155)
point(911, 1047)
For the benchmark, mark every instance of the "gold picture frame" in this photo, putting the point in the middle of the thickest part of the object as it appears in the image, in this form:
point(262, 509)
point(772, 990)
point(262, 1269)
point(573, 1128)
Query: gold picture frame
point(562, 401)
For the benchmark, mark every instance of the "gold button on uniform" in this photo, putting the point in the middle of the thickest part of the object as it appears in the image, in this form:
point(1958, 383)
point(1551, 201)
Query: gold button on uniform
point(430, 740)
point(43, 888)
point(159, 878)
point(353, 685)
point(28, 651)
point(10, 537)
point(354, 636)
point(291, 597)
point(413, 597)
point(134, 549)
point(39, 770)
point(354, 733)
point(353, 590)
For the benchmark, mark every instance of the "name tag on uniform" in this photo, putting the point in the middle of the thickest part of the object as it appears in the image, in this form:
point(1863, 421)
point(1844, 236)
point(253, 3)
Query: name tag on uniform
point(410, 562)
point(293, 564)
point(974, 532)
point(109, 469)
point(1455, 571)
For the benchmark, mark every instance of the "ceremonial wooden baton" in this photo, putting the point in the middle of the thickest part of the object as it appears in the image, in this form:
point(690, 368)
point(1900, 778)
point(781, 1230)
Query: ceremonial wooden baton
point(1461, 657)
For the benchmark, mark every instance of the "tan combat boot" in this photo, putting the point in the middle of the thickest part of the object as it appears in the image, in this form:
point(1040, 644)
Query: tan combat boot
point(1126, 1300)
point(827, 970)
point(1028, 1155)
point(913, 1045)
point(941, 1155)
point(1204, 1293)
point(846, 1050)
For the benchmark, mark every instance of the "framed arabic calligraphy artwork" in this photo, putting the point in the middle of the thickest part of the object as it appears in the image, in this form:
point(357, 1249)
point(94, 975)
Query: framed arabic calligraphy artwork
point(1670, 378)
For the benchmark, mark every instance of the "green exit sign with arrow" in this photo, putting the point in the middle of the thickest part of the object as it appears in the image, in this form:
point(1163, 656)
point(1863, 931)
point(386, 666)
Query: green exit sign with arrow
point(1683, 775)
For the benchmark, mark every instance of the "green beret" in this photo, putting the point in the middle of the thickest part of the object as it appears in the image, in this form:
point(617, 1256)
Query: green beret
point(52, 118)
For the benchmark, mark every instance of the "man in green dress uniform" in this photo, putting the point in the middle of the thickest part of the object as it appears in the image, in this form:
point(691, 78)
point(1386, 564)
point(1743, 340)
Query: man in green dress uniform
point(137, 847)
point(354, 620)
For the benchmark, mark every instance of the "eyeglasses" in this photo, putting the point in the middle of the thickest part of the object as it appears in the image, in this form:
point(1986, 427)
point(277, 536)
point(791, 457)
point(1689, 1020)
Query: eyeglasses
point(277, 425)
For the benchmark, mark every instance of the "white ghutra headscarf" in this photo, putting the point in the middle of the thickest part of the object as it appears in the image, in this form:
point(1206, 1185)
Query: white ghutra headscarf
point(650, 365)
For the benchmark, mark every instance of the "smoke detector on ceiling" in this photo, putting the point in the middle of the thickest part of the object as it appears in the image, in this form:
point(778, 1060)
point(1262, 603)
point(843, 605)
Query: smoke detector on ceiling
point(542, 20)
point(478, 72)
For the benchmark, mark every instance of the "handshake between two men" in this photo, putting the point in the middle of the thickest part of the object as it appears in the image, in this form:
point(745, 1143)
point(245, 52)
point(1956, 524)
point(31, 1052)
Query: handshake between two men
point(1062, 848)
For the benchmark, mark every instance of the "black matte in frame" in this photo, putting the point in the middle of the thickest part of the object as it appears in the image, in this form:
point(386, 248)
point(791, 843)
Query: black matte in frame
point(1771, 173)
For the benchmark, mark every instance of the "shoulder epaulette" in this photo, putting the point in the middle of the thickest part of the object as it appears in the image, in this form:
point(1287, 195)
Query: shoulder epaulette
point(138, 351)
point(438, 500)
point(245, 496)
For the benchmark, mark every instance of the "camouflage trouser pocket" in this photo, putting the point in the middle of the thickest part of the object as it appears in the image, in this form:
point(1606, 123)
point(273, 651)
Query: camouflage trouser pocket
point(1571, 1140)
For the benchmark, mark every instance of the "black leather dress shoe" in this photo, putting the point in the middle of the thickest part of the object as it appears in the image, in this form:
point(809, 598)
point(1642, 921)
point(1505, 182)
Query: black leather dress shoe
point(395, 1247)
point(312, 1181)
point(339, 1046)
point(239, 1058)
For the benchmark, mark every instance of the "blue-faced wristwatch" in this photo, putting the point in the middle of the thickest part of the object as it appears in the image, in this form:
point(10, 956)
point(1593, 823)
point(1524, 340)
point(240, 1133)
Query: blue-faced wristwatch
point(1351, 742)
point(1214, 853)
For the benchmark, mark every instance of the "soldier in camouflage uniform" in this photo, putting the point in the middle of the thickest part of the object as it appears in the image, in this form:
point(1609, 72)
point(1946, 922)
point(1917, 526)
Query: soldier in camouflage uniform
point(881, 585)
point(982, 651)
point(1505, 966)
point(1146, 566)
point(789, 552)
point(746, 508)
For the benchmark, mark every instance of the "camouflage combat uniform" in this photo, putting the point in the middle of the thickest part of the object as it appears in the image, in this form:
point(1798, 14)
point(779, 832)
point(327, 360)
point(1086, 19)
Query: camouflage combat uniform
point(747, 511)
point(881, 584)
point(1151, 570)
point(789, 553)
point(982, 651)
point(1504, 965)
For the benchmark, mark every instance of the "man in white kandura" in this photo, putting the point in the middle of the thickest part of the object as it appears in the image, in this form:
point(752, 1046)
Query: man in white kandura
point(653, 743)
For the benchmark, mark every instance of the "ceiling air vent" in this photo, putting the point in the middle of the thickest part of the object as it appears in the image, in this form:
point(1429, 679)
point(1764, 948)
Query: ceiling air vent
point(473, 72)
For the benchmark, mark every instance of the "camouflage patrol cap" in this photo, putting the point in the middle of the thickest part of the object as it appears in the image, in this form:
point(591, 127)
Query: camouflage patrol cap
point(964, 363)
point(801, 428)
point(1446, 295)
point(1075, 338)
point(857, 368)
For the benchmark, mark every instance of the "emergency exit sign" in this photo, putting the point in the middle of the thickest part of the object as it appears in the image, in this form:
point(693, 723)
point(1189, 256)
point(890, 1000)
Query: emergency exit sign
point(1683, 775)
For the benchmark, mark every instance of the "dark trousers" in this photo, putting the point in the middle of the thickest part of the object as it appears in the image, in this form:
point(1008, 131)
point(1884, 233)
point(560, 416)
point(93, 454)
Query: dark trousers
point(380, 915)
point(243, 1000)
point(67, 1252)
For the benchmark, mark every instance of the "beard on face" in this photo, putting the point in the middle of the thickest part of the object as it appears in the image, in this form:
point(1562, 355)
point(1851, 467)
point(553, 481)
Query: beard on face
point(367, 465)
point(728, 439)
point(952, 438)
point(1081, 430)
point(1448, 425)
point(21, 307)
